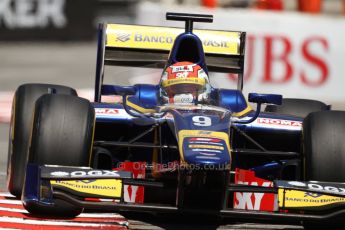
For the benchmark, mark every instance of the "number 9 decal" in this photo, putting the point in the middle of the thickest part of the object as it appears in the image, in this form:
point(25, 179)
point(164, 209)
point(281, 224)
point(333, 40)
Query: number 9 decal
point(202, 121)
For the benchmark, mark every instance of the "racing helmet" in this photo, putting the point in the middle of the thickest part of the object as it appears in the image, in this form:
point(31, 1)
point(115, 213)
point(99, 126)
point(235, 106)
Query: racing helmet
point(183, 83)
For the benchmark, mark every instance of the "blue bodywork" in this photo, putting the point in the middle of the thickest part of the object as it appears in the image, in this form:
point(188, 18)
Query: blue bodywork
point(144, 98)
point(231, 99)
point(187, 47)
point(183, 120)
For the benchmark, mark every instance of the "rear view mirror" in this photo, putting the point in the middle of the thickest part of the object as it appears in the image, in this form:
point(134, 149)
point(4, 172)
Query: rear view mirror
point(275, 99)
point(259, 99)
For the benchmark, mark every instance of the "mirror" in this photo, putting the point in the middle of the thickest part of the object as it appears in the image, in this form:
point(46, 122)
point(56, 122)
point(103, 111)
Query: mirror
point(275, 99)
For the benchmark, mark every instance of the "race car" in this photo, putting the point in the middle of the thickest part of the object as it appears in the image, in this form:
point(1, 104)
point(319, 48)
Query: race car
point(179, 146)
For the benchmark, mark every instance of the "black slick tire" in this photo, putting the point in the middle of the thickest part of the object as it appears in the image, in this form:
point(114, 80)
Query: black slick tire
point(20, 128)
point(324, 155)
point(324, 146)
point(62, 135)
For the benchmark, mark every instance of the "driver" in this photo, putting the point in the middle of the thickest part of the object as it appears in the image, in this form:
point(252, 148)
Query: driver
point(184, 83)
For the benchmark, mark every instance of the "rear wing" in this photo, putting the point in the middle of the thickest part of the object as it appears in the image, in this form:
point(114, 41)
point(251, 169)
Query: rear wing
point(140, 46)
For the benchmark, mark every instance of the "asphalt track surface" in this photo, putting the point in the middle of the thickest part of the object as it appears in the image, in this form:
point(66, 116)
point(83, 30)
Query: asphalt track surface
point(73, 65)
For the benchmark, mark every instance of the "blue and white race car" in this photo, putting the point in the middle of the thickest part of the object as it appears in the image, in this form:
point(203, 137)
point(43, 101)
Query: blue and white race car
point(179, 146)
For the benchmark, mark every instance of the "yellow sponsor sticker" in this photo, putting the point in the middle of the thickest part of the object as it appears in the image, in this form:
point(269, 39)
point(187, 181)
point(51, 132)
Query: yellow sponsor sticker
point(203, 133)
point(170, 82)
point(205, 147)
point(162, 38)
point(302, 199)
point(110, 188)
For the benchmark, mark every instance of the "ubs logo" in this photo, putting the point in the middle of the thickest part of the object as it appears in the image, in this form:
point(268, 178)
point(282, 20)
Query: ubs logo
point(122, 37)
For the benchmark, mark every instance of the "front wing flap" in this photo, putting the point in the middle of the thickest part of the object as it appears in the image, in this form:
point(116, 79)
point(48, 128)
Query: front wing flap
point(42, 181)
point(315, 201)
point(310, 195)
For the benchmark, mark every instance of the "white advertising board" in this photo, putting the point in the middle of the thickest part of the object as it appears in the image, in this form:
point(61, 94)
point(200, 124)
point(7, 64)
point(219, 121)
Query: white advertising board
point(293, 54)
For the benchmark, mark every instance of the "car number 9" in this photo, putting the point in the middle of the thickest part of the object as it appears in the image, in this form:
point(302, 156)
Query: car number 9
point(202, 121)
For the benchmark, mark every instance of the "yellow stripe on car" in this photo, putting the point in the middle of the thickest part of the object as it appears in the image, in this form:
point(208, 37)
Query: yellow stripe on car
point(243, 112)
point(138, 108)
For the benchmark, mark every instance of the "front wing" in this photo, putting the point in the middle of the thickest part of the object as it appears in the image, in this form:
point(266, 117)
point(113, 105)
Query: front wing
point(104, 190)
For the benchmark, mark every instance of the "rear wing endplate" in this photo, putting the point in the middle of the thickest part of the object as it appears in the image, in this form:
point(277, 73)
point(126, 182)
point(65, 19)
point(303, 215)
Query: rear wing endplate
point(140, 46)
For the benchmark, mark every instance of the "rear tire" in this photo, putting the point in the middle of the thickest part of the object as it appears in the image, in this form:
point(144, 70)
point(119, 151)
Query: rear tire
point(324, 152)
point(297, 107)
point(324, 146)
point(20, 128)
point(62, 135)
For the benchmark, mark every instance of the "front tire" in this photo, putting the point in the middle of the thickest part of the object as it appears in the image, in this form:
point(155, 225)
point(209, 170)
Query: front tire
point(20, 129)
point(62, 135)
